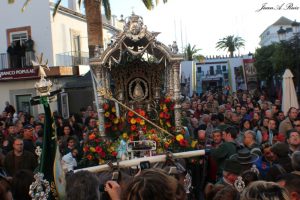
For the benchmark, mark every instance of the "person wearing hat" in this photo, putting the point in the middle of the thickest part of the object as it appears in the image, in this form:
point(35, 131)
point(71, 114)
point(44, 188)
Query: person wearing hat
point(28, 138)
point(245, 158)
point(226, 149)
point(232, 169)
point(282, 161)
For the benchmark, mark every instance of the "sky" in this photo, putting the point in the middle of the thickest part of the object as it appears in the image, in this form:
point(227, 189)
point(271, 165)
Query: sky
point(204, 22)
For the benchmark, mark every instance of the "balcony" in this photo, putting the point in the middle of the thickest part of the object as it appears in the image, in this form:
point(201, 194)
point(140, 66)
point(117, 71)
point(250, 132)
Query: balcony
point(72, 58)
point(7, 62)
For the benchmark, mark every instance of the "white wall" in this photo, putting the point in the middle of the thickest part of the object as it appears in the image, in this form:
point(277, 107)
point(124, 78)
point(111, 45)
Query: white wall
point(272, 37)
point(36, 15)
point(64, 27)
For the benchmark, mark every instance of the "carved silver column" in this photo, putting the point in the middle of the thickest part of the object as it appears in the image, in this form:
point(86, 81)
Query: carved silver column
point(177, 107)
point(100, 76)
point(171, 81)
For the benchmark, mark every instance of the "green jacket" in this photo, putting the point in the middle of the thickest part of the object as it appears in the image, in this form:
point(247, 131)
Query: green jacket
point(223, 152)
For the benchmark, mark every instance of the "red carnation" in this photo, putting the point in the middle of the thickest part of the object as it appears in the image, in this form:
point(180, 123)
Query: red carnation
point(166, 116)
point(130, 114)
point(161, 115)
point(133, 127)
point(112, 116)
point(105, 106)
point(114, 153)
point(98, 149)
point(167, 100)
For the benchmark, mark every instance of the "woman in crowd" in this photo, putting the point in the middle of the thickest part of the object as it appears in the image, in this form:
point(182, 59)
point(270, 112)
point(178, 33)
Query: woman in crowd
point(262, 190)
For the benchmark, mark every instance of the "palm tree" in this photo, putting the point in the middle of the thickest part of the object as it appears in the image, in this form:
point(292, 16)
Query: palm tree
point(231, 43)
point(190, 53)
point(94, 18)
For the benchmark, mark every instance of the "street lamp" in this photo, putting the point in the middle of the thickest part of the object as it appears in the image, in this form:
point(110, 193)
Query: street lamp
point(281, 34)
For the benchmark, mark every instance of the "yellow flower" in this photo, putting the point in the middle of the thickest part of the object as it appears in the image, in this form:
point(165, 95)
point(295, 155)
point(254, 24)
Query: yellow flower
point(92, 149)
point(132, 121)
point(112, 149)
point(194, 143)
point(101, 161)
point(168, 124)
point(106, 114)
point(179, 137)
point(124, 135)
point(142, 122)
point(116, 120)
point(113, 109)
point(161, 122)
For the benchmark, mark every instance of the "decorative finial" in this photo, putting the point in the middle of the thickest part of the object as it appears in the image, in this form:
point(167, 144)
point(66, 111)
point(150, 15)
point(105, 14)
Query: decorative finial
point(254, 169)
point(187, 183)
point(239, 184)
point(43, 86)
point(40, 188)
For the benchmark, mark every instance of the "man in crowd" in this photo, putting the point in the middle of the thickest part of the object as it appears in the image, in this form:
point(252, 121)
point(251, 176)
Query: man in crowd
point(250, 142)
point(282, 162)
point(226, 149)
point(8, 142)
point(28, 139)
point(297, 124)
point(216, 138)
point(293, 139)
point(231, 171)
point(19, 158)
point(287, 124)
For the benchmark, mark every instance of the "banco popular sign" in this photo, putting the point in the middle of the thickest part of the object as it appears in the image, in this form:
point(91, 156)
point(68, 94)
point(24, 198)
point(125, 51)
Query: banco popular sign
point(15, 74)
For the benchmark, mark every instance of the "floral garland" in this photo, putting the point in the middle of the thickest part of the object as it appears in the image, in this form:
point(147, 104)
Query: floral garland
point(97, 150)
point(113, 124)
point(132, 127)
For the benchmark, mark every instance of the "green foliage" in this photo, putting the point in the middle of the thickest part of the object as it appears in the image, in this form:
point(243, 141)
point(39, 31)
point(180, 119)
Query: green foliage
point(264, 62)
point(274, 59)
point(230, 43)
point(190, 53)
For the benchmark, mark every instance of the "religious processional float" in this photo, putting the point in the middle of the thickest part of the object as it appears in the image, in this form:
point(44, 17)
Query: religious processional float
point(137, 84)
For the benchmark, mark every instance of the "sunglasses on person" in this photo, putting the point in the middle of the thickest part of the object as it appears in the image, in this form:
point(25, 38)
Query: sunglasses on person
point(297, 125)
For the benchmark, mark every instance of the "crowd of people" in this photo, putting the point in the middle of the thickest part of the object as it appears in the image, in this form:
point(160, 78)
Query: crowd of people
point(253, 153)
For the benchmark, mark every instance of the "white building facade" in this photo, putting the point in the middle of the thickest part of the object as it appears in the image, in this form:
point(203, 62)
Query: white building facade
point(214, 73)
point(270, 35)
point(62, 40)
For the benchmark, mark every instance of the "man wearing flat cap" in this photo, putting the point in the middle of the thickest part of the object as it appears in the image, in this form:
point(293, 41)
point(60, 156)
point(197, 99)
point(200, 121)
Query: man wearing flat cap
point(232, 169)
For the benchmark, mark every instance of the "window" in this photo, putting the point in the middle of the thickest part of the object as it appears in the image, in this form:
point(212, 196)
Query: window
point(218, 69)
point(23, 103)
point(199, 70)
point(224, 68)
point(19, 36)
point(211, 70)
